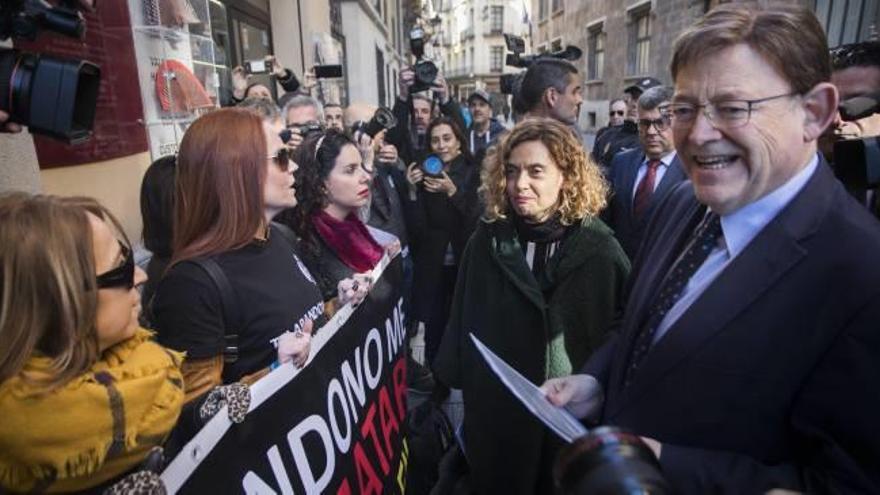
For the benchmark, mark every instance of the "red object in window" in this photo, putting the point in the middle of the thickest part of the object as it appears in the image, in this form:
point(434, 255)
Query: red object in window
point(178, 89)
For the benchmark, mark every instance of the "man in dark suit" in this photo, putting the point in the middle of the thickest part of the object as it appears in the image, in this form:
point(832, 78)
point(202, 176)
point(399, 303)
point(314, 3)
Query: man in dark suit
point(641, 178)
point(748, 355)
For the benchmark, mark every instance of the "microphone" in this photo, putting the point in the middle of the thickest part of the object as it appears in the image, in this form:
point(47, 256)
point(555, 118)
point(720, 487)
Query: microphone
point(859, 107)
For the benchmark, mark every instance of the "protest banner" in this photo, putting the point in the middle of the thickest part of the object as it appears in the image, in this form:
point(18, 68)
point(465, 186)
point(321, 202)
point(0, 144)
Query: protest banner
point(335, 426)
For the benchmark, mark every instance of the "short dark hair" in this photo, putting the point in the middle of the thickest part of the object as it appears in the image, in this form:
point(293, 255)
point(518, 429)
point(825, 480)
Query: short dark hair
point(332, 105)
point(543, 74)
point(654, 97)
point(789, 37)
point(863, 54)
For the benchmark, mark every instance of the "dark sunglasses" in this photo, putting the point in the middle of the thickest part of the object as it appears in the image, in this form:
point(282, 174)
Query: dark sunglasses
point(122, 275)
point(616, 112)
point(282, 159)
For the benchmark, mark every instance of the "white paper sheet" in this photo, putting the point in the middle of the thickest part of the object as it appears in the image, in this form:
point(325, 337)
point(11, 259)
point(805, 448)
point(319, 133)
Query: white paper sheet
point(556, 418)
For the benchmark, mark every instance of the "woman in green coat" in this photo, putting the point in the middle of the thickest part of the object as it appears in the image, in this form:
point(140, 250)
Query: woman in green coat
point(539, 283)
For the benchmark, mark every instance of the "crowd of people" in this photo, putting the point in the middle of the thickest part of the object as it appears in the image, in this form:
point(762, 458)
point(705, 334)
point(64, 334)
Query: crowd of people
point(700, 279)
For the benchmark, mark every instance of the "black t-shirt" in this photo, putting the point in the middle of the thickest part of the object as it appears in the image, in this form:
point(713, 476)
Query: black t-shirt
point(274, 291)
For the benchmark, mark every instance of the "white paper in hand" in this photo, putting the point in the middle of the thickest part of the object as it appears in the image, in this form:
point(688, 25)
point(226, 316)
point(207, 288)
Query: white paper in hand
point(556, 418)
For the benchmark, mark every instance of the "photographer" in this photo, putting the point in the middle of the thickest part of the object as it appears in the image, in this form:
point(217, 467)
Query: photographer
point(302, 114)
point(243, 88)
point(443, 209)
point(413, 112)
point(855, 73)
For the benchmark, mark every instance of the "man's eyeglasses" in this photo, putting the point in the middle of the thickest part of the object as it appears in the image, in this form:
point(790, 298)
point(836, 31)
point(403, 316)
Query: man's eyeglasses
point(616, 112)
point(122, 275)
point(282, 159)
point(727, 114)
point(660, 124)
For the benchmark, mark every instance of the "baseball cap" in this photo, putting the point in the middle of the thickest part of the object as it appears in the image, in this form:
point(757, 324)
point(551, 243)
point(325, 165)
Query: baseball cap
point(481, 94)
point(643, 85)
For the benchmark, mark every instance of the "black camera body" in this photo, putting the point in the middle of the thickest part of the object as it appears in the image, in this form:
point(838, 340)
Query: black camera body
point(517, 46)
point(425, 70)
point(383, 119)
point(857, 161)
point(307, 128)
point(51, 95)
point(609, 461)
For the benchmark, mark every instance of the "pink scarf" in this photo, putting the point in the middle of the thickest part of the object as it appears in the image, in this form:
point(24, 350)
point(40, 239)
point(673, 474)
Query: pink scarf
point(349, 239)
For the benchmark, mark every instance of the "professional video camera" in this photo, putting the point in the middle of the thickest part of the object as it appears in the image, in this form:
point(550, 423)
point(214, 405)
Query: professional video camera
point(517, 45)
point(425, 70)
point(609, 461)
point(382, 119)
point(857, 161)
point(52, 96)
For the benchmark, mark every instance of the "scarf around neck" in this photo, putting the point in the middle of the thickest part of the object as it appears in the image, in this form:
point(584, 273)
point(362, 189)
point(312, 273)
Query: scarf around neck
point(349, 239)
point(94, 427)
point(551, 230)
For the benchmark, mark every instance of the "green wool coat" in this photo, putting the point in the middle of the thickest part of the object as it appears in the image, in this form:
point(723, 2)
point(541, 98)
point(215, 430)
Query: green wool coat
point(544, 327)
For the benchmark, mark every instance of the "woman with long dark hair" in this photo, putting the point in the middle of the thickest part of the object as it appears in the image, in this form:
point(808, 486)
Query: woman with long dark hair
point(540, 283)
point(234, 174)
point(85, 393)
point(443, 210)
point(334, 187)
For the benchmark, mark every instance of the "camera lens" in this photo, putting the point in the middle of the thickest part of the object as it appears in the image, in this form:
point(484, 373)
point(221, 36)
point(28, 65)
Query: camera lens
point(50, 95)
point(432, 165)
point(609, 461)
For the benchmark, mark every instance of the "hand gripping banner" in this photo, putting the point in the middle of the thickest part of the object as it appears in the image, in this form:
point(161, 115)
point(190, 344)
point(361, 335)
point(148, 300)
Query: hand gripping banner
point(336, 426)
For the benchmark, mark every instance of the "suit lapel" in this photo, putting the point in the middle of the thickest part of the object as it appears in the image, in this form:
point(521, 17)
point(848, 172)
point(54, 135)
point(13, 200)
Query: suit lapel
point(772, 253)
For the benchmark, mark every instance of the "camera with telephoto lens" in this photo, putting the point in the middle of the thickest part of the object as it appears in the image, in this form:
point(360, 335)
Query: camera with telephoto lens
point(50, 95)
point(307, 128)
point(517, 46)
point(609, 461)
point(857, 161)
point(383, 119)
point(425, 70)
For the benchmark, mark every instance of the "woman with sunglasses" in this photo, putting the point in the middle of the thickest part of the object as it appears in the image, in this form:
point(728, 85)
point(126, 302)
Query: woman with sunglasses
point(334, 187)
point(234, 175)
point(85, 394)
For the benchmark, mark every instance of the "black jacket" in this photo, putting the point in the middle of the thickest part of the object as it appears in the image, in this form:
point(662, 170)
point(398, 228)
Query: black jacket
point(435, 221)
point(615, 140)
point(770, 379)
point(543, 326)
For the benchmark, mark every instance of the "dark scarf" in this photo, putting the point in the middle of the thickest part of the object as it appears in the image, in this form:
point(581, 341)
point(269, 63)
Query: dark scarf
point(349, 239)
point(539, 241)
point(551, 230)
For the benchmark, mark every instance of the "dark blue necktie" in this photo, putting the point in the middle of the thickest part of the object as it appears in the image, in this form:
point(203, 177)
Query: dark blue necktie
point(703, 241)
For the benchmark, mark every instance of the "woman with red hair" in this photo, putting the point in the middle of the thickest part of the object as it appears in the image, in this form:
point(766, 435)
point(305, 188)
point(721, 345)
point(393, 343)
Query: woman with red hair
point(234, 174)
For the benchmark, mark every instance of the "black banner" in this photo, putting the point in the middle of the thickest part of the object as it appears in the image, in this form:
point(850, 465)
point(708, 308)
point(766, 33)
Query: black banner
point(335, 427)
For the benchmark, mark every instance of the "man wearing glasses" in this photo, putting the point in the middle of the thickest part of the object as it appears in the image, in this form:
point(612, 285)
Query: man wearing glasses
point(641, 177)
point(748, 355)
point(625, 136)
